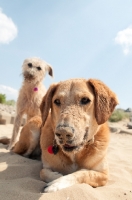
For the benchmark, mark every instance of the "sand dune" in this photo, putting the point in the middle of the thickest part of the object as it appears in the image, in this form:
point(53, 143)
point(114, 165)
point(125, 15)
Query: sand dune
point(19, 176)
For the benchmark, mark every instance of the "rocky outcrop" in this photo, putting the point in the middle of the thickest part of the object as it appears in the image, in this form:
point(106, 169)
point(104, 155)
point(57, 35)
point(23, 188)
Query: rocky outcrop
point(121, 127)
point(7, 114)
point(129, 125)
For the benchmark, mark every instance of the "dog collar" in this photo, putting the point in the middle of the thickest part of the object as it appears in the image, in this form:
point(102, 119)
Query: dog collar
point(53, 149)
point(35, 89)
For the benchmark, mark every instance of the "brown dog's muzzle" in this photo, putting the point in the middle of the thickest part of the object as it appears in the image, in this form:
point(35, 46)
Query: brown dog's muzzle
point(64, 132)
point(65, 135)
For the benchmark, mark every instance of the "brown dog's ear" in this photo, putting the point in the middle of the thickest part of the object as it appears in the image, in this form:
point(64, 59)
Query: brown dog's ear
point(105, 100)
point(47, 102)
point(50, 70)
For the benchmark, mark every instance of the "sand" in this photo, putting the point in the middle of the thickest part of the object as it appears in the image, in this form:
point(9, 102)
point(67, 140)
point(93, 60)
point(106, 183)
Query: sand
point(19, 176)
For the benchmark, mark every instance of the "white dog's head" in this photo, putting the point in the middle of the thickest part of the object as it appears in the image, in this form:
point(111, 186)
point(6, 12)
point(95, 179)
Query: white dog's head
point(34, 69)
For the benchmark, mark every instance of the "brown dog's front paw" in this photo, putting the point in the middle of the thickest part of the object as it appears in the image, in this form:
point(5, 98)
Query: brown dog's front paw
point(60, 183)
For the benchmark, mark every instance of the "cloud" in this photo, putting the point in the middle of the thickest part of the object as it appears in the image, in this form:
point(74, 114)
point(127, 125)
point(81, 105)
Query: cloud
point(8, 30)
point(124, 38)
point(9, 92)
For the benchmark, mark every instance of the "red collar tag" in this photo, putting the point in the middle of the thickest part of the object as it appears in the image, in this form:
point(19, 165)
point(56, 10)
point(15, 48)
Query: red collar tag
point(50, 149)
point(53, 149)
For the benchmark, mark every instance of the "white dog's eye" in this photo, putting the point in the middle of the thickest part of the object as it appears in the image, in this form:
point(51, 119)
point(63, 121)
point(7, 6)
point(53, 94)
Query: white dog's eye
point(30, 65)
point(38, 68)
point(57, 102)
point(85, 101)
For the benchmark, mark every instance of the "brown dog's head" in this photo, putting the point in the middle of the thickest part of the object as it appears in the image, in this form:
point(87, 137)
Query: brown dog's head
point(78, 107)
point(34, 69)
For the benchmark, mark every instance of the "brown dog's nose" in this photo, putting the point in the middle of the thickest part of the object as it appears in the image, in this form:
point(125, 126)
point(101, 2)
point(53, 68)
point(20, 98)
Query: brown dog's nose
point(64, 132)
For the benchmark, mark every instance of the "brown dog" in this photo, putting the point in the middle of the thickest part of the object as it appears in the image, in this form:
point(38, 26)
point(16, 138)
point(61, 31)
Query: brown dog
point(75, 137)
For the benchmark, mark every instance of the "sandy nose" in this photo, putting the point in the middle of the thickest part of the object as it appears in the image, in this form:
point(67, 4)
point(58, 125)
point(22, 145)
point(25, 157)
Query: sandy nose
point(64, 132)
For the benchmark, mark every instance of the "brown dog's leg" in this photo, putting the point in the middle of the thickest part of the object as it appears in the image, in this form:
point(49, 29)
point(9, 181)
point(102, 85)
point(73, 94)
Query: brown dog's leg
point(48, 175)
point(93, 178)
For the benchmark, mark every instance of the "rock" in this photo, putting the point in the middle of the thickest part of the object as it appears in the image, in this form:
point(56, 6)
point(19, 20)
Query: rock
point(114, 129)
point(130, 118)
point(129, 125)
point(128, 110)
point(126, 131)
point(7, 114)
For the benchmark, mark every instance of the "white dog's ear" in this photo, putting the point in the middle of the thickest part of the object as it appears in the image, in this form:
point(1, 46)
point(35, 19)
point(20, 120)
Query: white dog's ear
point(47, 102)
point(105, 100)
point(50, 70)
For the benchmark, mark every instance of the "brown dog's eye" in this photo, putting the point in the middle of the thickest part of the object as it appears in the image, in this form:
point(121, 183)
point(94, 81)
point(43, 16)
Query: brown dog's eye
point(30, 65)
point(39, 68)
point(57, 102)
point(85, 100)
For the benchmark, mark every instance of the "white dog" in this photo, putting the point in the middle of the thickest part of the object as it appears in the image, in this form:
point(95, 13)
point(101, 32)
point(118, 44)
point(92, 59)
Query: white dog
point(31, 92)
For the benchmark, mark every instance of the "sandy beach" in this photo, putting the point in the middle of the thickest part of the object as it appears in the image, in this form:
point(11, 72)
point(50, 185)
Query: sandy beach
point(19, 176)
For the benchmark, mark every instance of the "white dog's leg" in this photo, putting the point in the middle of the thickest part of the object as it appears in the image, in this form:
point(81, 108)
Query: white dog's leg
point(16, 127)
point(47, 175)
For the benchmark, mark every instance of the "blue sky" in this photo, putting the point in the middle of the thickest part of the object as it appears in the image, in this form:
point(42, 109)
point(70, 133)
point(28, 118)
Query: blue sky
point(80, 39)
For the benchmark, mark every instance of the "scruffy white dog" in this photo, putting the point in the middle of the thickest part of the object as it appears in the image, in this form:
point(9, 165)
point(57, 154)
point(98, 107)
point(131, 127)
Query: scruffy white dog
point(31, 92)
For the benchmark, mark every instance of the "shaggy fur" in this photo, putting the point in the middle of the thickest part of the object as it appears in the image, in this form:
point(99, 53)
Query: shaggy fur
point(31, 92)
point(77, 128)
